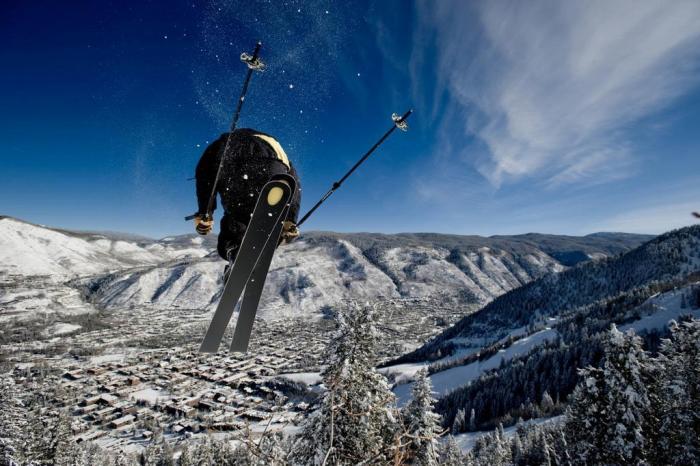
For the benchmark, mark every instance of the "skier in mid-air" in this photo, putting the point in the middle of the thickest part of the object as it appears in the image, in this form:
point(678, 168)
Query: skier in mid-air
point(260, 194)
point(251, 160)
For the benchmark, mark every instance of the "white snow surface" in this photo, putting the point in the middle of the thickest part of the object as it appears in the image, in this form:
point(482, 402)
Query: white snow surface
point(118, 272)
point(149, 395)
point(660, 309)
point(445, 381)
point(307, 276)
point(309, 378)
point(467, 441)
point(27, 249)
point(62, 328)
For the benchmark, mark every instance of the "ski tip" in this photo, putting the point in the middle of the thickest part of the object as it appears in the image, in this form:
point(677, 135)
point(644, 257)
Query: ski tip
point(238, 347)
point(207, 348)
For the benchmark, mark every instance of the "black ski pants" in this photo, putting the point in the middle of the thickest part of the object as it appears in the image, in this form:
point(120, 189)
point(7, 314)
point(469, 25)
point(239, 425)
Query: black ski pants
point(236, 219)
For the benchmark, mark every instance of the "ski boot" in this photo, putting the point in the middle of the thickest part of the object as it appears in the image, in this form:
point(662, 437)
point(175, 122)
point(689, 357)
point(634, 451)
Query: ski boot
point(231, 256)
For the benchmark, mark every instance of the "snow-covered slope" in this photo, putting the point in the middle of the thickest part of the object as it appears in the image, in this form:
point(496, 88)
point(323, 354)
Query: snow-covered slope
point(673, 255)
point(323, 270)
point(27, 249)
point(319, 270)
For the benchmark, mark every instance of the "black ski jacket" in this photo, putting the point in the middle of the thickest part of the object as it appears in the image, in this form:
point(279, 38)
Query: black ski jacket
point(251, 160)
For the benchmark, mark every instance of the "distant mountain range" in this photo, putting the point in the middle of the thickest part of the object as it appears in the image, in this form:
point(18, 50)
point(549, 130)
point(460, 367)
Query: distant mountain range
point(319, 270)
point(501, 360)
point(670, 256)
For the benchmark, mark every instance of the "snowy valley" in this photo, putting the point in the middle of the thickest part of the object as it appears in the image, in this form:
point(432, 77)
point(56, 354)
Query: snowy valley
point(108, 325)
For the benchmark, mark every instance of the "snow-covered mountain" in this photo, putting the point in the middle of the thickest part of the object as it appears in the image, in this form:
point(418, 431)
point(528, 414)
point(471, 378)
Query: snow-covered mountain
point(319, 270)
point(533, 339)
point(27, 249)
point(668, 257)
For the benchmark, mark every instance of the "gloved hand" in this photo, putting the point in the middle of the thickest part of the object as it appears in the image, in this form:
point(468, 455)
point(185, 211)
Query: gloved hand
point(203, 224)
point(290, 232)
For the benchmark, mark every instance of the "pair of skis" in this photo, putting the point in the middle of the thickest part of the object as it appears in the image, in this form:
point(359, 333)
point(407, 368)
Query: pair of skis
point(249, 269)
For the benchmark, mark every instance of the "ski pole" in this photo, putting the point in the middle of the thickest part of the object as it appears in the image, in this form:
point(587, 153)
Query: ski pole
point(399, 122)
point(254, 64)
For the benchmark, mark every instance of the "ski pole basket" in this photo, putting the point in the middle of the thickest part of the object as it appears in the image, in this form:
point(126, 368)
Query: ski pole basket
point(253, 62)
point(400, 121)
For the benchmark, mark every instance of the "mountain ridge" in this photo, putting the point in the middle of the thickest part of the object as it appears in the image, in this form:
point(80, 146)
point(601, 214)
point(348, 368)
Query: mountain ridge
point(665, 257)
point(321, 269)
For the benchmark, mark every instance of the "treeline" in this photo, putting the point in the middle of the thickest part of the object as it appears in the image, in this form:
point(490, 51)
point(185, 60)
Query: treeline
point(516, 389)
point(635, 409)
point(665, 258)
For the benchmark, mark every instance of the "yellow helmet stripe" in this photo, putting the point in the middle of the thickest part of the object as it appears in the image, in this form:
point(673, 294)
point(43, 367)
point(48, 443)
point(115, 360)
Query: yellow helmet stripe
point(281, 155)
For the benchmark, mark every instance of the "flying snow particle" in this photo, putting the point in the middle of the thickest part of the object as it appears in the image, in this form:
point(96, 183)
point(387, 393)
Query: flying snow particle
point(291, 86)
point(198, 145)
point(358, 75)
point(245, 177)
point(326, 11)
point(299, 10)
point(301, 111)
point(165, 37)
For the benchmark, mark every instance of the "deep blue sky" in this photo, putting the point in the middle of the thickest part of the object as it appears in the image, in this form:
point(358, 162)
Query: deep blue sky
point(530, 116)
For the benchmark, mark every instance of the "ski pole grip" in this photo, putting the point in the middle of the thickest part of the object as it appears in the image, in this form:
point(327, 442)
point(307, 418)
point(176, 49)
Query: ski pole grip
point(190, 217)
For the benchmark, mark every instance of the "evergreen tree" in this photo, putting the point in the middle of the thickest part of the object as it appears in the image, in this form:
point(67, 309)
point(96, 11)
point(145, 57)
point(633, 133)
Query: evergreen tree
point(122, 459)
point(90, 454)
point(677, 397)
point(547, 403)
point(186, 456)
point(64, 450)
point(450, 453)
point(158, 452)
point(356, 419)
point(422, 424)
point(517, 447)
point(472, 421)
point(273, 450)
point(459, 424)
point(12, 422)
point(491, 450)
point(609, 408)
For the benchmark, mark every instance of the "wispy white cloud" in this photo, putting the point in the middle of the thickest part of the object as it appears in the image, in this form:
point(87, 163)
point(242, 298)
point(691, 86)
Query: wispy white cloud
point(656, 218)
point(550, 88)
